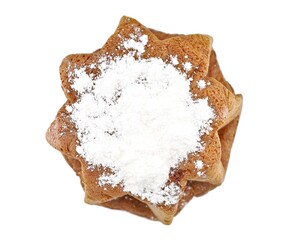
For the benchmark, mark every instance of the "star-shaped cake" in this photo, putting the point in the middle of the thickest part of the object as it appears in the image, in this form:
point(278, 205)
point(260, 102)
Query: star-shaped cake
point(149, 120)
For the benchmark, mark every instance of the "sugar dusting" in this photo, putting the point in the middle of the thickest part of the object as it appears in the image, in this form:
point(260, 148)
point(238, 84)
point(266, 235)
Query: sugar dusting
point(187, 66)
point(174, 60)
point(199, 166)
point(138, 118)
point(201, 84)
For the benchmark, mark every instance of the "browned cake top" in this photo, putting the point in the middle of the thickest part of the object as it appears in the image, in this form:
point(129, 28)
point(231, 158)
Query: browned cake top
point(141, 109)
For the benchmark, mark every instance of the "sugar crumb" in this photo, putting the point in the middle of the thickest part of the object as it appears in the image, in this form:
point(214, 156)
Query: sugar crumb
point(174, 60)
point(201, 84)
point(187, 66)
point(69, 108)
point(198, 164)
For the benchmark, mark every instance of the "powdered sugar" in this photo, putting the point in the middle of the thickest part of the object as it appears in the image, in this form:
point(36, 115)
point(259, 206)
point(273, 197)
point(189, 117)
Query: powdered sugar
point(201, 84)
point(82, 80)
point(174, 60)
point(138, 119)
point(187, 66)
point(69, 109)
point(199, 166)
point(136, 43)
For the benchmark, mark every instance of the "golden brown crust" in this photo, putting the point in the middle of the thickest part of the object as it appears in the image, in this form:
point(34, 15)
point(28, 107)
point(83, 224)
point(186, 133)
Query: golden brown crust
point(227, 106)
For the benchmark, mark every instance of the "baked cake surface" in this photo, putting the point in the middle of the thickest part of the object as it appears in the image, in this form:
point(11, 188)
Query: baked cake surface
point(149, 120)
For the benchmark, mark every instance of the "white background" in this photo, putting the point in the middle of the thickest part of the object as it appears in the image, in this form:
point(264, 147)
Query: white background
point(40, 196)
